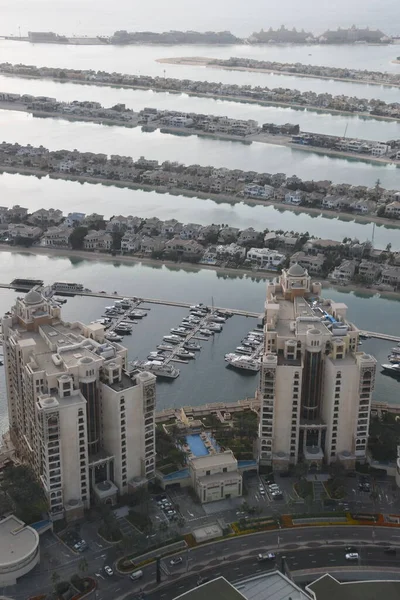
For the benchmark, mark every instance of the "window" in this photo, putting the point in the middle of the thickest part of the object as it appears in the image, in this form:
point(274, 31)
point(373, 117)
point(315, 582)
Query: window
point(208, 472)
point(225, 470)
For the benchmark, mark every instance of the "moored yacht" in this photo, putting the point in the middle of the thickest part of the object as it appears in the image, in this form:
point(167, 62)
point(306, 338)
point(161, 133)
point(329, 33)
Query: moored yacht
point(184, 354)
point(172, 339)
point(192, 346)
point(243, 363)
point(157, 368)
point(392, 369)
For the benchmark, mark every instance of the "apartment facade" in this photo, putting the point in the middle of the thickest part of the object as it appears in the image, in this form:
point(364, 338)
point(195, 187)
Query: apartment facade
point(84, 425)
point(315, 386)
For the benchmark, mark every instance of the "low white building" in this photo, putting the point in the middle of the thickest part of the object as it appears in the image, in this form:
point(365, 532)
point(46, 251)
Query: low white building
point(56, 237)
point(380, 149)
point(131, 242)
point(265, 258)
point(231, 250)
point(19, 550)
point(98, 240)
point(215, 477)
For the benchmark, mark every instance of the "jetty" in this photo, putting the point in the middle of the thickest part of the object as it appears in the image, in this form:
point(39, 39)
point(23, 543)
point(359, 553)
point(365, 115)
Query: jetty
point(380, 336)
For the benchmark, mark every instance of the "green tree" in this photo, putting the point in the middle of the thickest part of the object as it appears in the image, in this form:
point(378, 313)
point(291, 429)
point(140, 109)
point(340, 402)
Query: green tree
point(77, 236)
point(117, 237)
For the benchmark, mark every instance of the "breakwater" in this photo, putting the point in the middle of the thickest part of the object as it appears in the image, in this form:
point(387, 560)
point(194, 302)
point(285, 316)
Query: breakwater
point(324, 102)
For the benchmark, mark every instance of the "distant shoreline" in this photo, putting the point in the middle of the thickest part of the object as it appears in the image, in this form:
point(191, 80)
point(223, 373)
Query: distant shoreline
point(186, 266)
point(219, 198)
point(208, 62)
point(196, 94)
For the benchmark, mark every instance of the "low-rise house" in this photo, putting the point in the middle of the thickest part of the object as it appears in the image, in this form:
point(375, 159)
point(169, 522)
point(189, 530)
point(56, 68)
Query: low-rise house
point(294, 198)
point(209, 232)
point(392, 210)
point(369, 271)
point(264, 258)
point(228, 235)
point(312, 262)
point(391, 276)
point(151, 226)
point(249, 236)
point(98, 240)
point(74, 219)
point(93, 219)
point(319, 246)
point(344, 272)
point(288, 241)
point(44, 217)
point(253, 190)
point(190, 231)
point(148, 245)
point(362, 206)
point(231, 250)
point(131, 242)
point(184, 248)
point(171, 227)
point(3, 214)
point(17, 213)
point(56, 237)
point(16, 230)
point(380, 149)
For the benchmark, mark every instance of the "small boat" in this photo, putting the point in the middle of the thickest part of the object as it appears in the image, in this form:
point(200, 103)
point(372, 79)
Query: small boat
point(137, 314)
point(243, 363)
point(157, 368)
point(194, 320)
point(60, 300)
point(187, 326)
point(184, 354)
point(244, 350)
point(199, 306)
point(164, 347)
point(217, 319)
point(172, 339)
point(156, 356)
point(364, 336)
point(216, 327)
point(391, 369)
point(179, 331)
point(123, 330)
point(205, 331)
point(192, 346)
point(198, 313)
point(113, 337)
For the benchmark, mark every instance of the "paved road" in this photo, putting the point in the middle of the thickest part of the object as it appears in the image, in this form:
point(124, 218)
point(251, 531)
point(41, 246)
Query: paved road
point(324, 545)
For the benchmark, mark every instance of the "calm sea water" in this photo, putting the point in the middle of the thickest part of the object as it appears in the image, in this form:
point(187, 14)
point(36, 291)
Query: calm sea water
point(206, 379)
point(81, 17)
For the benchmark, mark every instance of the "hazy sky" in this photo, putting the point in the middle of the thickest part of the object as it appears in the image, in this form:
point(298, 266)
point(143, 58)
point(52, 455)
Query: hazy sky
point(239, 16)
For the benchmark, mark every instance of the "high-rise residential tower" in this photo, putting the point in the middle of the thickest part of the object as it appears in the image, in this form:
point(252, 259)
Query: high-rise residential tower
point(315, 386)
point(85, 426)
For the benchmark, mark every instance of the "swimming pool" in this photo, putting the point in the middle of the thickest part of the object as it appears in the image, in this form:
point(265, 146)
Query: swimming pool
point(196, 445)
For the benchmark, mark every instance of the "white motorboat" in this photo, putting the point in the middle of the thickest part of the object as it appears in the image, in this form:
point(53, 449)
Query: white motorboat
point(184, 354)
point(243, 363)
point(157, 368)
point(244, 350)
point(172, 339)
point(111, 336)
point(205, 331)
point(216, 327)
point(164, 347)
point(179, 331)
point(192, 346)
point(392, 369)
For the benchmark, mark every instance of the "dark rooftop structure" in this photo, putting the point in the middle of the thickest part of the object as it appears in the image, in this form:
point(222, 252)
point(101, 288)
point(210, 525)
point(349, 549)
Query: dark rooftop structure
point(328, 588)
point(218, 588)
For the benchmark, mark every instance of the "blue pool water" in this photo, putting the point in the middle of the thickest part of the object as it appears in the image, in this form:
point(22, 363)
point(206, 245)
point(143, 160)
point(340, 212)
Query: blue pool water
point(196, 445)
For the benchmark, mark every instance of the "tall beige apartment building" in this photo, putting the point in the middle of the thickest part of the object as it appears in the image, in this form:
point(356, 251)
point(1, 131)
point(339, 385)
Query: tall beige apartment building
point(315, 385)
point(86, 426)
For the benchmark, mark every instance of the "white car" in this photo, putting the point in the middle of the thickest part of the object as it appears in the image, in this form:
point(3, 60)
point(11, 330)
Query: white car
point(352, 556)
point(108, 570)
point(176, 561)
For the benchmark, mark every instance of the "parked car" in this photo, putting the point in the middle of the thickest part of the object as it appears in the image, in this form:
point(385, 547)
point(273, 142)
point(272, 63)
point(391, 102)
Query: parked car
point(176, 561)
point(266, 556)
point(389, 550)
point(108, 570)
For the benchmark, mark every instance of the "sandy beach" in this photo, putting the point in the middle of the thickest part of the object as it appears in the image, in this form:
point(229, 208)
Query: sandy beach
point(220, 198)
point(209, 62)
point(128, 259)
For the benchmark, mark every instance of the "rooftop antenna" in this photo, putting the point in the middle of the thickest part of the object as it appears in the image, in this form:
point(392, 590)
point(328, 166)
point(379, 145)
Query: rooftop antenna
point(373, 234)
